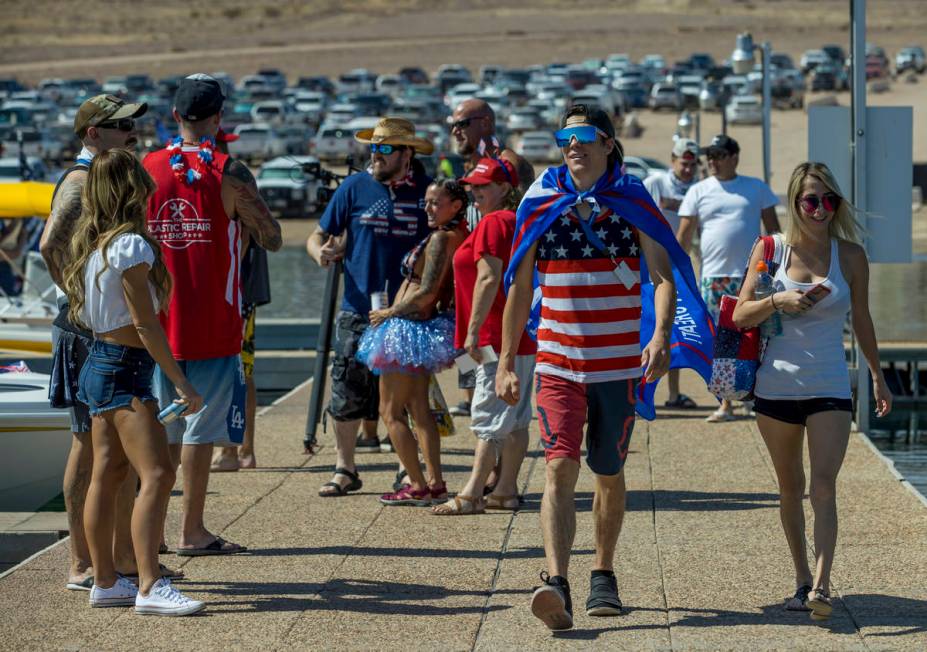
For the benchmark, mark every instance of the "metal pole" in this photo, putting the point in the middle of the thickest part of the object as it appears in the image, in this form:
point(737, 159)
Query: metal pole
point(858, 157)
point(766, 50)
point(322, 347)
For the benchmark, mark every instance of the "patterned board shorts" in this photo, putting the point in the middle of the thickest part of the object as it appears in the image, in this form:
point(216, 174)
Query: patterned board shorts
point(715, 287)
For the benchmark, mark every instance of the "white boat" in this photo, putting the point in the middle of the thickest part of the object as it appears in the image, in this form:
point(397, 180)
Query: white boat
point(36, 439)
point(25, 320)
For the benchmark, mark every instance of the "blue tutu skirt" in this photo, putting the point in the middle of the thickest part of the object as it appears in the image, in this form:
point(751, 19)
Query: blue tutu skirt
point(409, 346)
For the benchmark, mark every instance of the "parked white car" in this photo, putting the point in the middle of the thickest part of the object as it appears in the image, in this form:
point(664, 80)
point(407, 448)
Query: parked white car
point(336, 142)
point(744, 109)
point(538, 146)
point(665, 95)
point(287, 188)
point(257, 141)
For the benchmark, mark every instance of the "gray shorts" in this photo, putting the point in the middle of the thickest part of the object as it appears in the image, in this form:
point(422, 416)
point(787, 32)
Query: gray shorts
point(491, 418)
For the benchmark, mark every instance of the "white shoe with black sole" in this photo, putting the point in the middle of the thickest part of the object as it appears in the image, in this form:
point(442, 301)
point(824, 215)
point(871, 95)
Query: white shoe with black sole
point(164, 600)
point(121, 594)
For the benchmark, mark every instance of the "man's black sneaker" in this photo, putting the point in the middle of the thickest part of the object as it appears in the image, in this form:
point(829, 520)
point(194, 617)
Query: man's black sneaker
point(551, 603)
point(603, 595)
point(462, 409)
point(367, 445)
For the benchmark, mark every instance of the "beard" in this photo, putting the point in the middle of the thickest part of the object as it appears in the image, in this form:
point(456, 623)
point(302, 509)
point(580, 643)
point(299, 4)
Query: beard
point(384, 172)
point(464, 148)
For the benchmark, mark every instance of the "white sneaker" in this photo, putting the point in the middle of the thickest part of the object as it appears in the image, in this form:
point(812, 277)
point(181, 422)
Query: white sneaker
point(164, 600)
point(121, 594)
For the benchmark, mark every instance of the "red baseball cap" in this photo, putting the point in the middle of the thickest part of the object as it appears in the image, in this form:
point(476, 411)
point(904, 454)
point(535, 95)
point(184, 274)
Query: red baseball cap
point(223, 137)
point(489, 170)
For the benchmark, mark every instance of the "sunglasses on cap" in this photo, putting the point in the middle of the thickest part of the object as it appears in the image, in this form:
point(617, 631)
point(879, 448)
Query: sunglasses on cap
point(385, 149)
point(584, 134)
point(829, 201)
point(463, 123)
point(123, 124)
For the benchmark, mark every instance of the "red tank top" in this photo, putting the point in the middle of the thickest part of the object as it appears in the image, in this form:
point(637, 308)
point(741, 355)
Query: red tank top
point(202, 251)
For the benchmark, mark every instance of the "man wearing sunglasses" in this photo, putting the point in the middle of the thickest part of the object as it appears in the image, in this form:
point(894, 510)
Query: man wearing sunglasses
point(473, 132)
point(382, 211)
point(584, 232)
point(727, 209)
point(102, 122)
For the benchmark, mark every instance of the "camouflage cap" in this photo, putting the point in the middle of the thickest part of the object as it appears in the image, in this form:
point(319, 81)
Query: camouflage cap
point(101, 108)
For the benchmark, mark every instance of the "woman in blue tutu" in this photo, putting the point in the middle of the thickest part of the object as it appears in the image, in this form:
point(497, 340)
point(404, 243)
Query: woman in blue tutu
point(414, 338)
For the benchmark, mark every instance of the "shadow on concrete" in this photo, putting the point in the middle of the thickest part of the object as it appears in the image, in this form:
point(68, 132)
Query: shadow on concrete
point(908, 615)
point(684, 501)
point(405, 553)
point(360, 596)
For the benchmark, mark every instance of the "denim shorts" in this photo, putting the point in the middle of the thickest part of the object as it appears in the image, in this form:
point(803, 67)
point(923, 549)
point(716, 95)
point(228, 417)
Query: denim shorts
point(113, 375)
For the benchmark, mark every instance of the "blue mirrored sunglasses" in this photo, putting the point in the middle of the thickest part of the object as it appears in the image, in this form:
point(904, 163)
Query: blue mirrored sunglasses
point(386, 150)
point(584, 134)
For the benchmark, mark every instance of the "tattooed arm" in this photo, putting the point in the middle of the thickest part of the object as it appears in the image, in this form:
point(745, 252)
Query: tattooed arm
point(421, 301)
point(59, 227)
point(239, 190)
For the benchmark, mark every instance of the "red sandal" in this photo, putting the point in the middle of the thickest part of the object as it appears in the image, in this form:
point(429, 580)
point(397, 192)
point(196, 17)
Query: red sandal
point(408, 496)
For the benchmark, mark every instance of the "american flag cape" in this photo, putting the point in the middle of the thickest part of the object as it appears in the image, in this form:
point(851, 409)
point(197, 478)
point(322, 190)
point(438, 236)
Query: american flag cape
point(552, 194)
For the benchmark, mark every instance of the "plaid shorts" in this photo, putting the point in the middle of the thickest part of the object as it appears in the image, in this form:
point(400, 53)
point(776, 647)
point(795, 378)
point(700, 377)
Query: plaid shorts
point(715, 287)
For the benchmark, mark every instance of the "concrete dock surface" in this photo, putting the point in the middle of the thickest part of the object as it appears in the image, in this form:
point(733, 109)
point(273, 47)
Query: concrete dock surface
point(702, 562)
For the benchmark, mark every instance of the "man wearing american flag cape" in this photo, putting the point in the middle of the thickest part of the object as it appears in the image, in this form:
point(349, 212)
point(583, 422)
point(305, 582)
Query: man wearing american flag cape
point(594, 274)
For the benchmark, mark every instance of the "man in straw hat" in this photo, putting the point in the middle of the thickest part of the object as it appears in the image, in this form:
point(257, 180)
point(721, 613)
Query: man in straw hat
point(382, 210)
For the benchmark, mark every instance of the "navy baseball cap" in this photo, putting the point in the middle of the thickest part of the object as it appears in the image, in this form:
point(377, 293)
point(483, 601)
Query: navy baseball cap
point(198, 97)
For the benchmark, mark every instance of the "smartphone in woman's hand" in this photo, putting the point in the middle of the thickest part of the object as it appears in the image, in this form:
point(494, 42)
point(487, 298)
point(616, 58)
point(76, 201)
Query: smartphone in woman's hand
point(818, 292)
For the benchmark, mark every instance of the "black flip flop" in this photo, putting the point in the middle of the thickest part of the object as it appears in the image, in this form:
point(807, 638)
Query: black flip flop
point(682, 402)
point(85, 585)
point(217, 547)
point(355, 484)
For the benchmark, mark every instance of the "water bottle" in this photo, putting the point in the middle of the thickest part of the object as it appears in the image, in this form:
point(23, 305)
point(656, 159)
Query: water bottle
point(765, 288)
point(171, 412)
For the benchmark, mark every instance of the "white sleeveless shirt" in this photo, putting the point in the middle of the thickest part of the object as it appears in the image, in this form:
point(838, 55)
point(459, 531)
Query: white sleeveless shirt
point(807, 360)
point(105, 307)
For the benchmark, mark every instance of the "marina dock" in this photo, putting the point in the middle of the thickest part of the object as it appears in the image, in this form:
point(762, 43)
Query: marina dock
point(701, 563)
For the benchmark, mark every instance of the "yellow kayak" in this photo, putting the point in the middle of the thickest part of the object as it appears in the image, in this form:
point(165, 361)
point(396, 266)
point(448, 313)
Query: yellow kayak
point(25, 199)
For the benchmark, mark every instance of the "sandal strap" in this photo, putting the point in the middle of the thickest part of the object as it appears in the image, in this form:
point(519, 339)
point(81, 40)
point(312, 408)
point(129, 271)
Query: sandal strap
point(351, 474)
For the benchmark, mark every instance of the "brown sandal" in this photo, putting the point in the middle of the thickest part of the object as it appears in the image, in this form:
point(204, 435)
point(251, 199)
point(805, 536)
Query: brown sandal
point(507, 503)
point(455, 506)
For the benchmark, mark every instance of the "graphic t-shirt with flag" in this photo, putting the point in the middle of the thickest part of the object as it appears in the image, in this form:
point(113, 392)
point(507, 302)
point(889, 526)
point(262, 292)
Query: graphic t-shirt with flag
point(589, 330)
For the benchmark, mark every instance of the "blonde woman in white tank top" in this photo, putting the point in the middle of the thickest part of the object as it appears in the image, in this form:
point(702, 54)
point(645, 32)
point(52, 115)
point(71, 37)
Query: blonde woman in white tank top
point(804, 383)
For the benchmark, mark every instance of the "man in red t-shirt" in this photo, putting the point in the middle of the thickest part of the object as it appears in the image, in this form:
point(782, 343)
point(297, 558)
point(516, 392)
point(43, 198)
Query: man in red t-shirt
point(203, 200)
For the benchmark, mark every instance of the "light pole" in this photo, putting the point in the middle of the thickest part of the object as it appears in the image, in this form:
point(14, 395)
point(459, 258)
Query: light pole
point(742, 61)
point(686, 123)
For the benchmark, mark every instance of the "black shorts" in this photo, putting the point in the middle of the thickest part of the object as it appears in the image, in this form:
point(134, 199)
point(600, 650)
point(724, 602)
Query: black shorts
point(355, 389)
point(798, 411)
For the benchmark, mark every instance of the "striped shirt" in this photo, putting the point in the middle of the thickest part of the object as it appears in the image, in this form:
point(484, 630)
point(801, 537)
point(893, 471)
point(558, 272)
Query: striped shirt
point(590, 318)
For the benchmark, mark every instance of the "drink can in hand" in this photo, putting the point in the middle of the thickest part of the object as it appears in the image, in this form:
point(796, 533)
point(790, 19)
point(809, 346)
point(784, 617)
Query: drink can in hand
point(171, 412)
point(379, 301)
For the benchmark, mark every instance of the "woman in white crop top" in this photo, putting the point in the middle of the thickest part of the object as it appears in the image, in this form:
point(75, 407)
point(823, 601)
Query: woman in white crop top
point(803, 383)
point(115, 282)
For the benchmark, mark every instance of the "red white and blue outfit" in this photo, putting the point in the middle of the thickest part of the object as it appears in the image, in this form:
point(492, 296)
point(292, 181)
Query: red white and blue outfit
point(594, 311)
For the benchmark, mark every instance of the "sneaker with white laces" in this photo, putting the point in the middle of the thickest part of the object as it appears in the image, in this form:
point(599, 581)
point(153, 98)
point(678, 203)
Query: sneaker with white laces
point(121, 594)
point(164, 600)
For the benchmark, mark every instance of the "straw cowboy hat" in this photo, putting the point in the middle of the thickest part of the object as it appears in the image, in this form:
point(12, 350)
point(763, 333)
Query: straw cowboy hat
point(394, 131)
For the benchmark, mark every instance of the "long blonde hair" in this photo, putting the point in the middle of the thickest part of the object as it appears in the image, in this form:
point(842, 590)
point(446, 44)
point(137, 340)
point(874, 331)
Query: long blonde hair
point(844, 225)
point(114, 202)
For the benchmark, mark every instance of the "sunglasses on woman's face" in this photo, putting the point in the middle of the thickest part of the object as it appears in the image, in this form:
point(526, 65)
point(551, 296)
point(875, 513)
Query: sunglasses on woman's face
point(829, 201)
point(123, 124)
point(386, 150)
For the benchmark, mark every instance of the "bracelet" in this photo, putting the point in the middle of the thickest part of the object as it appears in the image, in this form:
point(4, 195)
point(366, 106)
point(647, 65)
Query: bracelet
point(772, 300)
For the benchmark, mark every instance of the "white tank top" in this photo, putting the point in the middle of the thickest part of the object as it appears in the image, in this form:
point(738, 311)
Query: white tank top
point(807, 360)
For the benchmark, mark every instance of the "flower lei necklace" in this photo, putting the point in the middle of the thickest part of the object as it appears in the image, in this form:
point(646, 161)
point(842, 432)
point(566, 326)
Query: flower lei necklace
point(204, 157)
